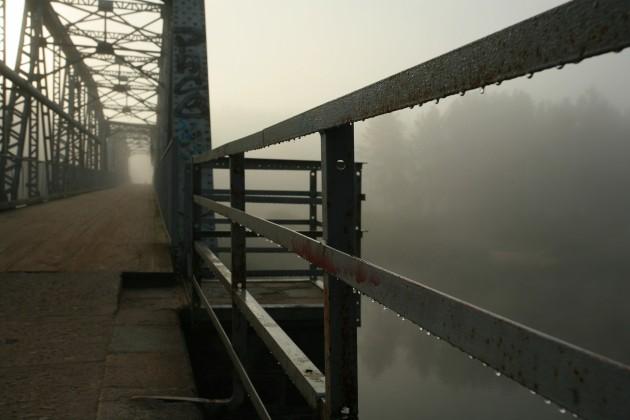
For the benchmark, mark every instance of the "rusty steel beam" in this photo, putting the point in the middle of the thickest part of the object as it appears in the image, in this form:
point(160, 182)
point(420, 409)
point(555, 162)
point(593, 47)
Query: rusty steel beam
point(563, 35)
point(582, 382)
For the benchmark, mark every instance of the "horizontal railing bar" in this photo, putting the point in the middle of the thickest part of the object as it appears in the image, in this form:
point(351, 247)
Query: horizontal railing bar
point(271, 164)
point(227, 233)
point(290, 193)
point(274, 164)
point(238, 365)
point(563, 35)
point(254, 250)
point(270, 199)
point(283, 273)
point(581, 381)
point(295, 222)
point(303, 373)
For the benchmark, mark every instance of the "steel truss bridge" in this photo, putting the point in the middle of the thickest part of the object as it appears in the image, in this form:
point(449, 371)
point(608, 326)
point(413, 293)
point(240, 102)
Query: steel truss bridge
point(96, 80)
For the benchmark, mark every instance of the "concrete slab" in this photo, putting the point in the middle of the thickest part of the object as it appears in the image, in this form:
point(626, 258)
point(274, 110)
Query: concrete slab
point(147, 410)
point(146, 338)
point(76, 346)
point(56, 391)
point(147, 356)
point(54, 341)
point(26, 296)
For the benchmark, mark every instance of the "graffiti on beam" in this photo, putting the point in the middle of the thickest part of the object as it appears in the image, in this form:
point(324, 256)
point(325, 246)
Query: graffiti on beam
point(191, 86)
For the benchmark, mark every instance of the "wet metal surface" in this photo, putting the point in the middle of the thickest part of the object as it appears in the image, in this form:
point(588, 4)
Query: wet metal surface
point(580, 381)
point(302, 372)
point(563, 35)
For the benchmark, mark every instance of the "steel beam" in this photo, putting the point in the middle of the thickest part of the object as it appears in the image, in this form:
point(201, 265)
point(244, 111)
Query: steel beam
point(585, 383)
point(36, 94)
point(258, 404)
point(239, 264)
point(566, 34)
point(301, 371)
point(143, 6)
point(340, 301)
point(189, 110)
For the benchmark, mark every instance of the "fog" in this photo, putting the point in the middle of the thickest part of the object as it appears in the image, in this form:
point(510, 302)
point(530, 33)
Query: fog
point(514, 205)
point(514, 200)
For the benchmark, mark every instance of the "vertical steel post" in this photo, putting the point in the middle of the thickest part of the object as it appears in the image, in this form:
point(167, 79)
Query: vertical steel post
point(239, 267)
point(340, 300)
point(312, 210)
point(189, 111)
point(195, 227)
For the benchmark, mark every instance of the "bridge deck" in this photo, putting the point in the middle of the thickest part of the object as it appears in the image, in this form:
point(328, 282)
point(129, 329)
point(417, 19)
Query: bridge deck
point(112, 230)
point(76, 342)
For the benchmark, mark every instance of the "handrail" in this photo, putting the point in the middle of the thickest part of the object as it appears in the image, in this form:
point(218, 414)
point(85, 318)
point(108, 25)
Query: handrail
point(566, 34)
point(304, 374)
point(580, 381)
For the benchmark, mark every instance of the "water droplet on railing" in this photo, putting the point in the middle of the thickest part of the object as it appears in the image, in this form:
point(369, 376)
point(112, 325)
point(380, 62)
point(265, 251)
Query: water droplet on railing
point(437, 101)
point(497, 373)
point(562, 410)
point(532, 392)
point(482, 90)
point(547, 402)
point(560, 67)
point(499, 83)
point(341, 165)
point(470, 357)
point(530, 75)
point(462, 93)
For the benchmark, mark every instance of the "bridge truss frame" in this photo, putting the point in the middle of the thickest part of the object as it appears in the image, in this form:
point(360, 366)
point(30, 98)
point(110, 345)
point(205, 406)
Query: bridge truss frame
point(65, 89)
point(578, 381)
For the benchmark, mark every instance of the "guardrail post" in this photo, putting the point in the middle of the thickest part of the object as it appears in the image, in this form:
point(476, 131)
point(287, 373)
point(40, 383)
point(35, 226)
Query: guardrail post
point(312, 210)
point(195, 235)
point(239, 267)
point(189, 122)
point(340, 300)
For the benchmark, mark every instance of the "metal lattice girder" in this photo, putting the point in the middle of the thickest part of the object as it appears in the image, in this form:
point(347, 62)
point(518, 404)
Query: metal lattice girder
point(566, 34)
point(116, 36)
point(129, 53)
point(142, 6)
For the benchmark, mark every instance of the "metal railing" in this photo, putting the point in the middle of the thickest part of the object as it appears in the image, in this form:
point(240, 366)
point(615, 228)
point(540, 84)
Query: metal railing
point(586, 384)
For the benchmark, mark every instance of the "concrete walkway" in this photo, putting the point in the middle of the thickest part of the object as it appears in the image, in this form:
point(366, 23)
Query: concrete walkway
point(75, 344)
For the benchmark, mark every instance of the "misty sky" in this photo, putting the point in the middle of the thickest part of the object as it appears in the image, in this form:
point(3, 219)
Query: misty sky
point(270, 60)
